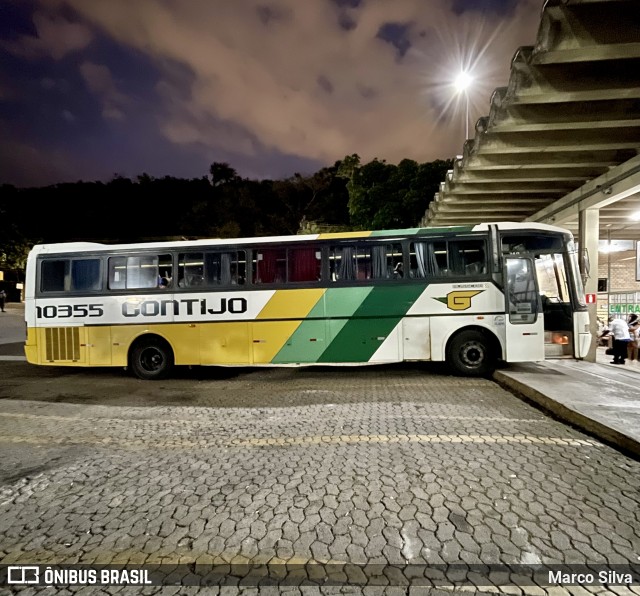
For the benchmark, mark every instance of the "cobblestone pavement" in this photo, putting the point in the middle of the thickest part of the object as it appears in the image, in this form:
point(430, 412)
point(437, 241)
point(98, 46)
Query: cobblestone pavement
point(385, 465)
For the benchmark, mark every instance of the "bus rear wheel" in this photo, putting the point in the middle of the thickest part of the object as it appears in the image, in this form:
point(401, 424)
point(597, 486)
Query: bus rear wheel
point(151, 359)
point(472, 354)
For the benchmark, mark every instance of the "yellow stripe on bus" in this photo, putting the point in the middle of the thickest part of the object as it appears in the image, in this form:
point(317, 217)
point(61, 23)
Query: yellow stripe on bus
point(291, 304)
point(331, 235)
point(270, 336)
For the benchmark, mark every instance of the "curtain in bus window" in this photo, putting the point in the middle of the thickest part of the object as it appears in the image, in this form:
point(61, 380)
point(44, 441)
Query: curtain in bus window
point(225, 269)
point(421, 258)
point(432, 261)
point(379, 260)
point(212, 268)
point(303, 264)
point(426, 259)
point(456, 258)
point(238, 267)
point(85, 275)
point(347, 268)
point(270, 265)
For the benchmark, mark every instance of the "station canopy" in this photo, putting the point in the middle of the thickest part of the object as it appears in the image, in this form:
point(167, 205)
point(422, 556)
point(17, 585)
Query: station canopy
point(564, 135)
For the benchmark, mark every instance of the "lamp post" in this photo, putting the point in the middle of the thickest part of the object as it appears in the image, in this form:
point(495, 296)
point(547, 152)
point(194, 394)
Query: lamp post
point(462, 83)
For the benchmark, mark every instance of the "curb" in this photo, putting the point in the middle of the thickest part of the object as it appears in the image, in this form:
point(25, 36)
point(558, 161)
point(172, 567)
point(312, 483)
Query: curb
point(574, 417)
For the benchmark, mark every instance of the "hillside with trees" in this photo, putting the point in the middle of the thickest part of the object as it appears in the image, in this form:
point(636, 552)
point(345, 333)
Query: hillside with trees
point(346, 196)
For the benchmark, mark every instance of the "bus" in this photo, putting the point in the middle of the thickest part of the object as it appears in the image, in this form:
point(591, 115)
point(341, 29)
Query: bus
point(470, 296)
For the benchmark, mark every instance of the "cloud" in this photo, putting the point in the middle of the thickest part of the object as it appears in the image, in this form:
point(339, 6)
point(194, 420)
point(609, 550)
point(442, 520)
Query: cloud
point(288, 76)
point(100, 82)
point(56, 37)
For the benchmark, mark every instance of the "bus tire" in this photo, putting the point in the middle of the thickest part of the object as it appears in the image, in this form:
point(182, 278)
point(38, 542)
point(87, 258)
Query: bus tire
point(151, 358)
point(472, 353)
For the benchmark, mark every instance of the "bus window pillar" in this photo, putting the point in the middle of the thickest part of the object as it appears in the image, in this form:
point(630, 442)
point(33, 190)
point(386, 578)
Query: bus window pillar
point(588, 236)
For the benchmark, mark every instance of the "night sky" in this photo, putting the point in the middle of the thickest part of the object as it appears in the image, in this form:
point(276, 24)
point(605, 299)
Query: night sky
point(94, 88)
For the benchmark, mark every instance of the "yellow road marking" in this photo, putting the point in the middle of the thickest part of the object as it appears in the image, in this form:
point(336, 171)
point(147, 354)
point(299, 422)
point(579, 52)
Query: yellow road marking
point(208, 422)
point(178, 442)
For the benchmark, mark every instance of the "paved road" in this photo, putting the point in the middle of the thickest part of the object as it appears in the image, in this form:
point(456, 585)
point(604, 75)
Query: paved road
point(12, 332)
point(396, 464)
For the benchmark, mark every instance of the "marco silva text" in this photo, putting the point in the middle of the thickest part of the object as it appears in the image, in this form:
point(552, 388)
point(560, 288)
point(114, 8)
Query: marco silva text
point(609, 577)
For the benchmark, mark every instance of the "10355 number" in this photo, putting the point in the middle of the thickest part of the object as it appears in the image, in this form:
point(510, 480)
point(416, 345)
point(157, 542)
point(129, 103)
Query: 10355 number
point(67, 311)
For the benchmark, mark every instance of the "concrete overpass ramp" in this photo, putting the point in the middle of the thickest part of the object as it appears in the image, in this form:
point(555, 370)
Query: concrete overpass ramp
point(564, 136)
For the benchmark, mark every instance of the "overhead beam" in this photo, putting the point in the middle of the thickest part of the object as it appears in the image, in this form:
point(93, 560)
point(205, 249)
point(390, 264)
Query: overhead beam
point(599, 125)
point(576, 96)
point(617, 184)
point(499, 147)
point(468, 201)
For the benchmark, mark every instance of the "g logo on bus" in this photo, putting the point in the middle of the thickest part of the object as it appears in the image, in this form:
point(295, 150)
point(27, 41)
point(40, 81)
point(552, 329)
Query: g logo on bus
point(459, 300)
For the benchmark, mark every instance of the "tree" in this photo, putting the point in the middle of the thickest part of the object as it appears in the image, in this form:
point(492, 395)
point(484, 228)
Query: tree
point(14, 243)
point(385, 196)
point(222, 173)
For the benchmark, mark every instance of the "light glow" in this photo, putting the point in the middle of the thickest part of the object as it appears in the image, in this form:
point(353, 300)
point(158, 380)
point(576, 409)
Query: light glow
point(458, 74)
point(463, 81)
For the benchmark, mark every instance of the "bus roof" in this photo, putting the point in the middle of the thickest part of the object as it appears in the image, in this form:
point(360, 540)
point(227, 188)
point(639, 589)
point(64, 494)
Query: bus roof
point(79, 247)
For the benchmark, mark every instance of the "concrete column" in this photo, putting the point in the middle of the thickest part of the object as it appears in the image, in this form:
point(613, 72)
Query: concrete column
point(588, 236)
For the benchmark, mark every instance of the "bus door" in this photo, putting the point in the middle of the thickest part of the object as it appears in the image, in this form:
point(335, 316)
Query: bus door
point(553, 282)
point(524, 320)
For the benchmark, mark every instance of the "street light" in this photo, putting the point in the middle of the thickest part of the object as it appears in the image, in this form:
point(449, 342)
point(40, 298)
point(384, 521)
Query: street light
point(462, 83)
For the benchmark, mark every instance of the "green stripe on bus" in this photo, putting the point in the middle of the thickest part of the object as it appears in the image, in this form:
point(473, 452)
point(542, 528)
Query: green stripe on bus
point(363, 334)
point(310, 339)
point(307, 343)
point(406, 232)
point(454, 229)
point(339, 302)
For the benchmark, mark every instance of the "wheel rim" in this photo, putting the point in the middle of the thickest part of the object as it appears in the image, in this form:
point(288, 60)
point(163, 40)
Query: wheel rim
point(473, 354)
point(152, 359)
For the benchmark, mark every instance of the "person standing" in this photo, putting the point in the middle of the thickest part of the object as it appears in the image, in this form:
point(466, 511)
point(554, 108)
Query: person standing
point(3, 298)
point(634, 334)
point(620, 331)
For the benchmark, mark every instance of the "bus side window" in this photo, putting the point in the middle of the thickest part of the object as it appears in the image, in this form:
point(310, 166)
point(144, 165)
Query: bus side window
point(85, 275)
point(225, 268)
point(386, 261)
point(304, 264)
point(165, 269)
point(54, 275)
point(428, 259)
point(467, 257)
point(117, 273)
point(270, 266)
point(238, 267)
point(139, 272)
point(190, 269)
point(342, 263)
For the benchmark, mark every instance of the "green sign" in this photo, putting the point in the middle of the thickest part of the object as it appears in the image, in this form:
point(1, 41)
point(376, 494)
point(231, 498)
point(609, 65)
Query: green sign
point(624, 308)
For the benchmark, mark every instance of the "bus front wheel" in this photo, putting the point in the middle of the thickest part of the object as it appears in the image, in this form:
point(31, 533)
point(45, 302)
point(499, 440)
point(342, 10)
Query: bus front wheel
point(472, 353)
point(151, 359)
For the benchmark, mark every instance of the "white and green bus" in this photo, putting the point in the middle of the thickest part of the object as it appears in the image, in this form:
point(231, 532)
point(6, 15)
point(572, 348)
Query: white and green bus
point(469, 296)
